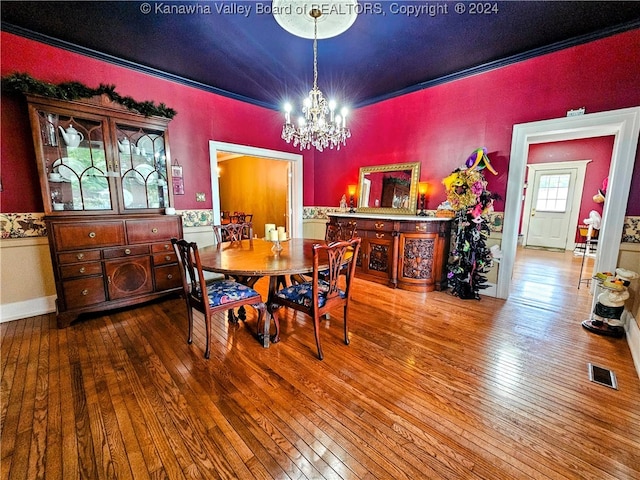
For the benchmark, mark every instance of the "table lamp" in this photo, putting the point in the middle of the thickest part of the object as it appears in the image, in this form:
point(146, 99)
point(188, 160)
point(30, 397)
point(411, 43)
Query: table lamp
point(422, 190)
point(352, 192)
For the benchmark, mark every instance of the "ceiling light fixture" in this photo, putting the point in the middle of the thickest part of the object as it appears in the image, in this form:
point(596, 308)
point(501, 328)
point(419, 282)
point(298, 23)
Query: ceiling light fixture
point(314, 129)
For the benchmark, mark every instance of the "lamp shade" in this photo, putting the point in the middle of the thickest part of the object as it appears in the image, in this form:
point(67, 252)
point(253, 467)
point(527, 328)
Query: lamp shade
point(422, 188)
point(352, 189)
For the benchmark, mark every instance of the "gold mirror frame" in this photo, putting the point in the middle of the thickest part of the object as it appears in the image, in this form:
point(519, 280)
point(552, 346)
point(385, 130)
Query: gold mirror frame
point(414, 175)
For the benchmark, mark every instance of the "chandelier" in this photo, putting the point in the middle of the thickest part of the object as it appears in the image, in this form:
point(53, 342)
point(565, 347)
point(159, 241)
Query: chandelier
point(314, 128)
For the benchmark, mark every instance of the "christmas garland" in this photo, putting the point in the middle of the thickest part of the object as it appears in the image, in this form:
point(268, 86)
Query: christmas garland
point(26, 84)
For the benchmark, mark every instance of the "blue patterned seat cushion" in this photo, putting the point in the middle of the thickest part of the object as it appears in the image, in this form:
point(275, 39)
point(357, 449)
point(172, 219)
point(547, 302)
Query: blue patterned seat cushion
point(303, 292)
point(226, 291)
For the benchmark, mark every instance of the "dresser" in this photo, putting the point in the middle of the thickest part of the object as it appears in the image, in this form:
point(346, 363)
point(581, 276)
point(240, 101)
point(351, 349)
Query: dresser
point(401, 251)
point(104, 180)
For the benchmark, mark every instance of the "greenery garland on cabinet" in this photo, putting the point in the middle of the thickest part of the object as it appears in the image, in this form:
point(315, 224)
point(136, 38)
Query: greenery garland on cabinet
point(467, 195)
point(26, 84)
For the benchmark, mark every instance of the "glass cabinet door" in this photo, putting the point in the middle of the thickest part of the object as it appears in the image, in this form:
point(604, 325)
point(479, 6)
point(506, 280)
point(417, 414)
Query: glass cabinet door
point(142, 167)
point(75, 162)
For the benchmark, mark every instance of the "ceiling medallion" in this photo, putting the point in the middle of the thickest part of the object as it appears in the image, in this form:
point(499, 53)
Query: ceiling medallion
point(314, 128)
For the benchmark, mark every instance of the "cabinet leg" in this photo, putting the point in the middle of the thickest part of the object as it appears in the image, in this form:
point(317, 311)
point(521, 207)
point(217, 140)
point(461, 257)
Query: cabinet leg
point(64, 319)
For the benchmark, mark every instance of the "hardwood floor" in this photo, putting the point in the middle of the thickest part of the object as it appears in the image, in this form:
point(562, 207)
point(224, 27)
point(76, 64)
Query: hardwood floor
point(431, 386)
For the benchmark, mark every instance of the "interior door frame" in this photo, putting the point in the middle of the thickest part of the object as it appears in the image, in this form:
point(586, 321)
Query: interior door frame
point(294, 192)
point(624, 125)
point(581, 167)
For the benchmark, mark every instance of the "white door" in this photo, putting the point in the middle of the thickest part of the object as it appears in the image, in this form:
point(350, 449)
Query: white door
point(550, 213)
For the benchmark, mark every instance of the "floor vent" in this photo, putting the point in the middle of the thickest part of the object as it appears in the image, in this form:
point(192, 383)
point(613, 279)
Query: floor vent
point(603, 376)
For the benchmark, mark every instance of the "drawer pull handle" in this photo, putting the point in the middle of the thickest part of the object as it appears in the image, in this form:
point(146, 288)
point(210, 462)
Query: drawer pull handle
point(85, 292)
point(379, 235)
point(421, 228)
point(170, 276)
point(80, 256)
point(167, 257)
point(82, 269)
point(154, 230)
point(92, 234)
point(378, 226)
point(127, 251)
point(166, 246)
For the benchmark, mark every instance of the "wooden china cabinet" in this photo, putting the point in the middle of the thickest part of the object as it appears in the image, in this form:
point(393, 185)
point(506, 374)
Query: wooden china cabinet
point(105, 180)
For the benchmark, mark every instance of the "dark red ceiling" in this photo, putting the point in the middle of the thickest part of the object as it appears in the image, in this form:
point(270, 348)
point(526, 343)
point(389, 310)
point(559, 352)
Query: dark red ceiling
point(383, 54)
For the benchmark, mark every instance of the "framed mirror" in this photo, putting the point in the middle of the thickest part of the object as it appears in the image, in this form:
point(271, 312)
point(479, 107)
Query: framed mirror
point(389, 188)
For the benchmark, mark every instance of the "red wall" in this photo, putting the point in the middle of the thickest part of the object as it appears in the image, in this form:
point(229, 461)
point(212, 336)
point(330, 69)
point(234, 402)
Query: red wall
point(201, 117)
point(596, 149)
point(438, 127)
point(442, 125)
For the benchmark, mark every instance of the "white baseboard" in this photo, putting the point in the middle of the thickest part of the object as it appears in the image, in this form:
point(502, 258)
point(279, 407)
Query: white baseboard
point(633, 338)
point(490, 291)
point(27, 308)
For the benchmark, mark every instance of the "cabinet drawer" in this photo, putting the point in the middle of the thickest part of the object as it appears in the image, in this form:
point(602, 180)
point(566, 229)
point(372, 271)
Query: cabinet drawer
point(75, 257)
point(162, 247)
point(73, 236)
point(81, 269)
point(167, 277)
point(379, 235)
point(164, 258)
point(377, 225)
point(126, 251)
point(147, 231)
point(83, 292)
point(419, 227)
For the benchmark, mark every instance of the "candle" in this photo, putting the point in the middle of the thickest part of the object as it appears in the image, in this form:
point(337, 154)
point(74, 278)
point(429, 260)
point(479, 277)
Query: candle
point(273, 235)
point(267, 228)
point(282, 235)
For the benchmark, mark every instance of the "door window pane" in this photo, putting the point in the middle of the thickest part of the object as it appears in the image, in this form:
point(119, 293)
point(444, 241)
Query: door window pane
point(553, 192)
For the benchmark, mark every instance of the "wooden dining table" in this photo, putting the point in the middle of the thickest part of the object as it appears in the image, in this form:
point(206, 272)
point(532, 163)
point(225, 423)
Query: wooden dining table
point(250, 260)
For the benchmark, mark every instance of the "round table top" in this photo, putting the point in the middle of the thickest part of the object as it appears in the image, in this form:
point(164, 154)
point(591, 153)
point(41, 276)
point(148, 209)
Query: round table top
point(257, 259)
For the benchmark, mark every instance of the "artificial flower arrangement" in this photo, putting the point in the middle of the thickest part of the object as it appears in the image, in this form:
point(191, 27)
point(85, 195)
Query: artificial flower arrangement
point(469, 198)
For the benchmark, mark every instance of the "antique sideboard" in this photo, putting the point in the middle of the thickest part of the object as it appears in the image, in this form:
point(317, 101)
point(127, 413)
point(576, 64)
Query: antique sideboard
point(402, 251)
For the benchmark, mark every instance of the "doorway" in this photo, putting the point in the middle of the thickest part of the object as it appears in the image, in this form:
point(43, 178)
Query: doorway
point(624, 125)
point(294, 193)
point(256, 186)
point(552, 204)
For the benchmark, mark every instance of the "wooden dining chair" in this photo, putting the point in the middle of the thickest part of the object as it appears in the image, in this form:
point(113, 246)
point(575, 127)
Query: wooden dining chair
point(333, 233)
point(318, 296)
point(233, 232)
point(213, 297)
point(338, 232)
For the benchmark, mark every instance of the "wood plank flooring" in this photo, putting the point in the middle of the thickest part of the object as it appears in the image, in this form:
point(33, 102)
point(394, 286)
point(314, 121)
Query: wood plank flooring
point(431, 386)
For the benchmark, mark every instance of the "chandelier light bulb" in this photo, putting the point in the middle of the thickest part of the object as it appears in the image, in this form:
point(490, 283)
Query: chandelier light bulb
point(287, 113)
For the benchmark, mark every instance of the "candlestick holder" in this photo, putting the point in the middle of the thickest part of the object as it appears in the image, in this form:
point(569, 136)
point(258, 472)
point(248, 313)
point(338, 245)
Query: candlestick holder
point(277, 245)
point(276, 248)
